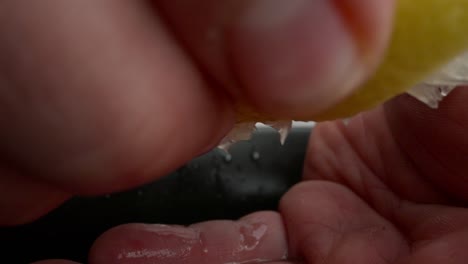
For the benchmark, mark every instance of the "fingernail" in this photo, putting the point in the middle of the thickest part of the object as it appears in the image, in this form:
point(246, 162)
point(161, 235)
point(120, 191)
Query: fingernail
point(294, 56)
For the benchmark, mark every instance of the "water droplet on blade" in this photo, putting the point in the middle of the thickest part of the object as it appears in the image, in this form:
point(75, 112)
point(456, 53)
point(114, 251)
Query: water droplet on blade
point(255, 155)
point(228, 158)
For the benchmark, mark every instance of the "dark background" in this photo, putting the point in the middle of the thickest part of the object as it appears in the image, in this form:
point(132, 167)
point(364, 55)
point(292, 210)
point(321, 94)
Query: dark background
point(213, 186)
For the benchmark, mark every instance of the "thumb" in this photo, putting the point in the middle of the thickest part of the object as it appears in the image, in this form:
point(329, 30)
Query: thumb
point(286, 58)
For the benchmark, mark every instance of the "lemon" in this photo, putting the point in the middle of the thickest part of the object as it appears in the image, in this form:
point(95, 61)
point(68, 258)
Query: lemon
point(427, 35)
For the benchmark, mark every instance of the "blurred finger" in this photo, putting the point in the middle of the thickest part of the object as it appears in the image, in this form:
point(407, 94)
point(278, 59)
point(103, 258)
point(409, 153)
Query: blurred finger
point(97, 96)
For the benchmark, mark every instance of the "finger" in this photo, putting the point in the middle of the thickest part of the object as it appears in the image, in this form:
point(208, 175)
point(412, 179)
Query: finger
point(257, 237)
point(441, 155)
point(23, 199)
point(326, 223)
point(97, 96)
point(285, 57)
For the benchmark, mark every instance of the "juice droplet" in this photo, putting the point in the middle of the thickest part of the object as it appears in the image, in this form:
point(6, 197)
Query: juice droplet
point(240, 132)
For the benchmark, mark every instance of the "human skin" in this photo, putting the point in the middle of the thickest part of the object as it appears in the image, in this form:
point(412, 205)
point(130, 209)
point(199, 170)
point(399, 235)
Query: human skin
point(92, 93)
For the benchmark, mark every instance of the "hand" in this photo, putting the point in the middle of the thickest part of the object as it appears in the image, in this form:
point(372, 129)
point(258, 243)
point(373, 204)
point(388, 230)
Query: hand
point(389, 187)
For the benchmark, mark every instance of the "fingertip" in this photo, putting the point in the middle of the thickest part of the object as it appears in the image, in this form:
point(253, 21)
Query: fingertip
point(256, 237)
point(296, 58)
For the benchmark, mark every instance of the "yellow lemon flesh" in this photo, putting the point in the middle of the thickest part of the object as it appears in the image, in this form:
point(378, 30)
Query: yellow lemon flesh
point(427, 35)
